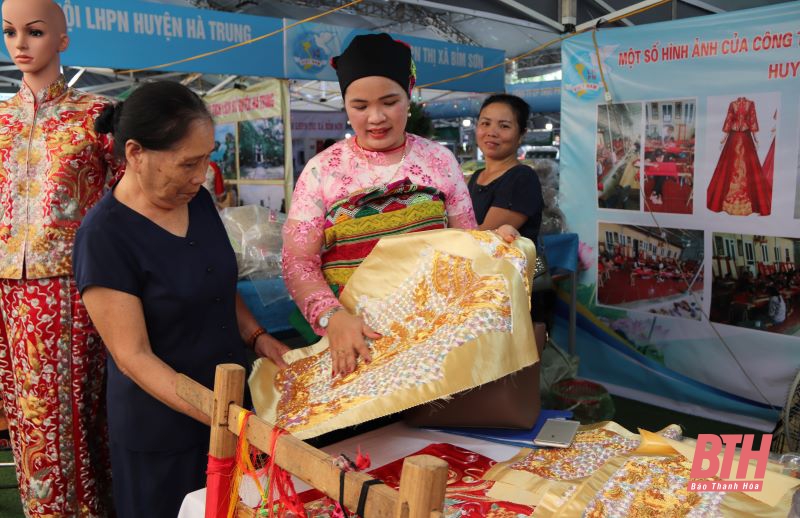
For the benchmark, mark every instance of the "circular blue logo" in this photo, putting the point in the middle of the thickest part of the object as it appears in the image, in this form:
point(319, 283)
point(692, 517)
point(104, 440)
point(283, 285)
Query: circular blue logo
point(581, 77)
point(309, 55)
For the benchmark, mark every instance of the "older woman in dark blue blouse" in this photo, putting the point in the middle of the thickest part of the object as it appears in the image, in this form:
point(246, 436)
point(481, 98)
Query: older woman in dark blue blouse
point(158, 277)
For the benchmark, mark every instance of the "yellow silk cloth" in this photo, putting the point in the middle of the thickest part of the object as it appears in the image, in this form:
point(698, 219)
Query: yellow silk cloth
point(452, 307)
point(533, 473)
point(605, 477)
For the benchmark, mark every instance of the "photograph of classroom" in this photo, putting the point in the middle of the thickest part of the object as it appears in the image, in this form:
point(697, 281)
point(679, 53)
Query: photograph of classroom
point(669, 156)
point(619, 146)
point(652, 270)
point(756, 282)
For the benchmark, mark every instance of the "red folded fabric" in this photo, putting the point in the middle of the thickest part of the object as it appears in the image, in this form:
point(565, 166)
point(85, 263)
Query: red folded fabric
point(466, 490)
point(219, 474)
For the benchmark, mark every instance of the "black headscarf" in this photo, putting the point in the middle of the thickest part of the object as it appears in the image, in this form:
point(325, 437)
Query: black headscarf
point(376, 55)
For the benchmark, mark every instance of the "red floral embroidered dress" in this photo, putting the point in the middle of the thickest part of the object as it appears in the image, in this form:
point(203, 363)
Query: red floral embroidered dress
point(738, 186)
point(53, 168)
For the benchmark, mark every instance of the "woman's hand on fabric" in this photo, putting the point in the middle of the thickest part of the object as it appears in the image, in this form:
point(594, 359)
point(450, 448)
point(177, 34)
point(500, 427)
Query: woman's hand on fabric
point(346, 335)
point(267, 346)
point(508, 233)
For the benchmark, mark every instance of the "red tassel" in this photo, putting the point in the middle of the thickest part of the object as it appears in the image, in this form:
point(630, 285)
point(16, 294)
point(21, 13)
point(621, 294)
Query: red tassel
point(362, 460)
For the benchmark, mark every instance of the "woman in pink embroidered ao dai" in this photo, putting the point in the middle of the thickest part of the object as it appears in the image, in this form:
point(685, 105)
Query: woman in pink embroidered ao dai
point(376, 75)
point(338, 172)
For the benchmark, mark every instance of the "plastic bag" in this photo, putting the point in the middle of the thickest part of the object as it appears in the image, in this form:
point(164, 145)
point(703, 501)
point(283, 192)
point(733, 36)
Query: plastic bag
point(553, 221)
point(255, 234)
point(556, 365)
point(548, 173)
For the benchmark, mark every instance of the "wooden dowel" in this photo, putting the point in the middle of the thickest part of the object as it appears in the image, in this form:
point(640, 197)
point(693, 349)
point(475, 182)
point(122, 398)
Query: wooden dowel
point(316, 468)
point(312, 466)
point(228, 389)
point(422, 487)
point(423, 479)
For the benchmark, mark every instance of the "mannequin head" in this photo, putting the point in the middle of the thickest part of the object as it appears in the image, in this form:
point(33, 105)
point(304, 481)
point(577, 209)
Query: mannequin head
point(35, 32)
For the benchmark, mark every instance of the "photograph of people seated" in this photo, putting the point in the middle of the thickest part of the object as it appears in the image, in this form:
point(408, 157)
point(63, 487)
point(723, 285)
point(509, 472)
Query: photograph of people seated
point(756, 282)
point(619, 137)
point(657, 271)
point(669, 156)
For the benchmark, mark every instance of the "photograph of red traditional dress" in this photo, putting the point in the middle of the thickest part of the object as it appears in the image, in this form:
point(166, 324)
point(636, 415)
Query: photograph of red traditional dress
point(739, 186)
point(648, 269)
point(756, 282)
point(768, 168)
point(669, 156)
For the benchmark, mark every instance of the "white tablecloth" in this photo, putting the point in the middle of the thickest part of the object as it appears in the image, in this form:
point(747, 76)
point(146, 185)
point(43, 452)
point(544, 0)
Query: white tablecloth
point(383, 445)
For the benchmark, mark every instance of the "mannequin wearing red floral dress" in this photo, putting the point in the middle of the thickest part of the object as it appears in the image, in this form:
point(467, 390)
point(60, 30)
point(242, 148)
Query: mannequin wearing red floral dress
point(738, 186)
point(53, 168)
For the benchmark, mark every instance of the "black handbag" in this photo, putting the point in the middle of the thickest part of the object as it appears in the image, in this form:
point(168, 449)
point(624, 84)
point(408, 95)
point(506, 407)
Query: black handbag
point(542, 280)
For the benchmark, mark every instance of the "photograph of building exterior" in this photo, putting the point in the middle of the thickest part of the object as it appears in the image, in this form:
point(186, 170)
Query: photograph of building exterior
point(649, 269)
point(756, 282)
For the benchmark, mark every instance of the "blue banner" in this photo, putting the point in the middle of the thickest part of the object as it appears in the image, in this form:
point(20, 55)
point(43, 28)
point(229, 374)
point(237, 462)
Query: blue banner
point(542, 97)
point(310, 46)
point(684, 189)
point(130, 35)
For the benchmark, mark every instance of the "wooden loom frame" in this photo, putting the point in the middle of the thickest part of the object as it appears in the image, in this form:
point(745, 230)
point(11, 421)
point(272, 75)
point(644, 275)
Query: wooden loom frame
point(422, 482)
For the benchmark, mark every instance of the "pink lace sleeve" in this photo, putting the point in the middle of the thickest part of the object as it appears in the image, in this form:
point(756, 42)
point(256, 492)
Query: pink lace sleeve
point(465, 221)
point(458, 202)
point(302, 269)
point(302, 243)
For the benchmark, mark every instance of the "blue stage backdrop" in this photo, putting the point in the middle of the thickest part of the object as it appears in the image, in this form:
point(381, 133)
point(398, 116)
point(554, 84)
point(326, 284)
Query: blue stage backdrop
point(131, 34)
point(542, 97)
point(683, 190)
point(310, 46)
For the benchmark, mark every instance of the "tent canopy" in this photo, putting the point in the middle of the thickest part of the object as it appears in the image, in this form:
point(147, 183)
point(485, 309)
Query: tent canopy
point(512, 26)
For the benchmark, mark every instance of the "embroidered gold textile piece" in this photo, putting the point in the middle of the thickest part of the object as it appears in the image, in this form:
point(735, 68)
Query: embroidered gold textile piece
point(452, 307)
point(610, 472)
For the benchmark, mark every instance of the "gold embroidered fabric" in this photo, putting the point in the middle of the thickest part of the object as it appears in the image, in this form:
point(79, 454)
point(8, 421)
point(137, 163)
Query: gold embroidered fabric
point(647, 486)
point(737, 202)
point(606, 477)
point(538, 471)
point(452, 307)
point(776, 485)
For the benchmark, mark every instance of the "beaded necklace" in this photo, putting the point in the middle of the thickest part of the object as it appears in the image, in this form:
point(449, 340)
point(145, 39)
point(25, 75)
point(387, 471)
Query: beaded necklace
point(379, 158)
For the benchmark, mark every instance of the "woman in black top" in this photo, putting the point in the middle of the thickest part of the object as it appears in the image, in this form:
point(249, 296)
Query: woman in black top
point(505, 191)
point(158, 276)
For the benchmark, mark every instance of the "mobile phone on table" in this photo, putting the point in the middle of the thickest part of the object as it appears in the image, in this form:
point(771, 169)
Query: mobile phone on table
point(557, 433)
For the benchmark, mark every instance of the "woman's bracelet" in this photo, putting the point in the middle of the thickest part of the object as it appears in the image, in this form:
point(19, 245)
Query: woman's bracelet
point(254, 336)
